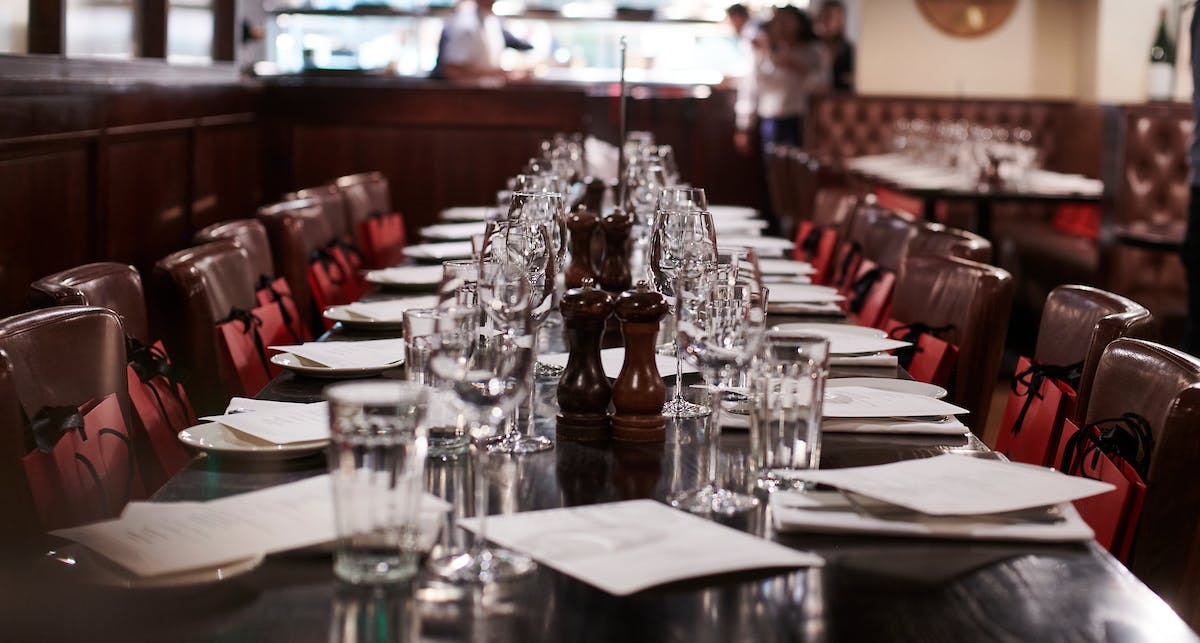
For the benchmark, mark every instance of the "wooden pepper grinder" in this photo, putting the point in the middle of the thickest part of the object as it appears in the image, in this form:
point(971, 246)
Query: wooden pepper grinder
point(639, 392)
point(594, 190)
point(582, 225)
point(583, 390)
point(614, 272)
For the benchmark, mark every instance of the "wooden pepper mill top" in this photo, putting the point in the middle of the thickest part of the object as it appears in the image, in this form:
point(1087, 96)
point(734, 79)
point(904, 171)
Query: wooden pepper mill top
point(594, 190)
point(582, 226)
point(583, 389)
point(614, 272)
point(639, 392)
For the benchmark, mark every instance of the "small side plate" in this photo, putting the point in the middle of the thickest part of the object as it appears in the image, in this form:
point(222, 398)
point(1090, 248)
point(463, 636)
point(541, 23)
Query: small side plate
point(301, 366)
point(214, 437)
point(890, 384)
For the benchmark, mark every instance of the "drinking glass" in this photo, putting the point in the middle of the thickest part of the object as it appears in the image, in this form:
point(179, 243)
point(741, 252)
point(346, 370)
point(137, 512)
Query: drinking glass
point(425, 331)
point(489, 376)
point(376, 462)
point(680, 238)
point(788, 391)
point(460, 279)
point(720, 325)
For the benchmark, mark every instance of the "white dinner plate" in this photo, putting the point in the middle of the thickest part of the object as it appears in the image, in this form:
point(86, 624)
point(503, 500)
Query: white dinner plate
point(766, 246)
point(101, 571)
point(890, 384)
point(749, 227)
point(466, 213)
point(826, 329)
point(786, 267)
point(732, 212)
point(439, 251)
point(301, 366)
point(453, 231)
point(214, 437)
point(358, 322)
point(407, 277)
point(803, 294)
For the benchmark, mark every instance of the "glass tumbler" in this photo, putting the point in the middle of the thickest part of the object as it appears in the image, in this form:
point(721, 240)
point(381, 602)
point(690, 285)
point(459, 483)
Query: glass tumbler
point(376, 462)
point(788, 388)
point(423, 329)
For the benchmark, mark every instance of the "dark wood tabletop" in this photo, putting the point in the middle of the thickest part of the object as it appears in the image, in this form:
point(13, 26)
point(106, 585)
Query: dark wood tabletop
point(870, 589)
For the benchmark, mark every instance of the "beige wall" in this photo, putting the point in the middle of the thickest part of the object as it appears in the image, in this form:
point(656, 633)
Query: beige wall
point(1094, 50)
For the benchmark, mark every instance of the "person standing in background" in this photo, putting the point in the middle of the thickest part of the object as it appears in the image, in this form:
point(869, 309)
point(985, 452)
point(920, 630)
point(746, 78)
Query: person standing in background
point(471, 44)
point(790, 66)
point(831, 27)
point(1190, 253)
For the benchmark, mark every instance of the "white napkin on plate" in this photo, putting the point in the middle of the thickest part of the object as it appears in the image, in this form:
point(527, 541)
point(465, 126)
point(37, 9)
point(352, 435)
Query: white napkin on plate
point(439, 251)
point(453, 231)
point(881, 360)
point(949, 425)
point(407, 275)
point(376, 353)
point(389, 310)
point(814, 310)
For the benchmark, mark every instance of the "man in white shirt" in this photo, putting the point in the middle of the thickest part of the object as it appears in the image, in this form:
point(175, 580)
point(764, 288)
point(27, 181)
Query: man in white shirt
point(471, 44)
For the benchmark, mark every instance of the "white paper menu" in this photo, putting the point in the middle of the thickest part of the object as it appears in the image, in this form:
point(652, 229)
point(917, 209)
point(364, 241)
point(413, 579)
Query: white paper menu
point(948, 485)
point(151, 539)
point(625, 547)
point(295, 423)
point(365, 354)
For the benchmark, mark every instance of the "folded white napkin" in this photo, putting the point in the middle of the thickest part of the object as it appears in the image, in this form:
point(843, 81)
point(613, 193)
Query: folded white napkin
point(807, 310)
point(948, 426)
point(821, 512)
point(469, 213)
point(453, 231)
point(785, 267)
point(390, 310)
point(406, 275)
point(881, 360)
point(439, 251)
point(376, 353)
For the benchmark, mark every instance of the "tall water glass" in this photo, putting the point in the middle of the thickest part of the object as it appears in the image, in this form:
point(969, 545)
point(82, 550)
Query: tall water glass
point(788, 390)
point(376, 463)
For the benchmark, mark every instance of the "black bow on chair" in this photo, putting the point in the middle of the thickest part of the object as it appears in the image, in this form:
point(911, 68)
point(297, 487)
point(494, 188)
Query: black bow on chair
point(250, 325)
point(862, 287)
point(911, 333)
point(268, 284)
point(1032, 379)
point(1128, 438)
point(51, 423)
point(852, 254)
point(336, 273)
point(812, 241)
point(149, 362)
point(350, 249)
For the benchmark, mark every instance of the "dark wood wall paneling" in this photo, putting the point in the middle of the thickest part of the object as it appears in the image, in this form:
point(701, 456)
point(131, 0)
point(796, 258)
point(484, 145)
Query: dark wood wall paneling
point(125, 173)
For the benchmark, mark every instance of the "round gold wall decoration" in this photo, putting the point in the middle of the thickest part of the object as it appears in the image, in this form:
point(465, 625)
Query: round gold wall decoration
point(966, 18)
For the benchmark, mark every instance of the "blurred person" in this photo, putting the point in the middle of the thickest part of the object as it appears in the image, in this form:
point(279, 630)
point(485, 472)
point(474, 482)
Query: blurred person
point(831, 27)
point(789, 67)
point(473, 39)
point(1190, 252)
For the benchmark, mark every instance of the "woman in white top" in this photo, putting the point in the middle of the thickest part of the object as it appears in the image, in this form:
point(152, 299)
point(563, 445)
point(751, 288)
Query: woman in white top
point(471, 44)
point(790, 68)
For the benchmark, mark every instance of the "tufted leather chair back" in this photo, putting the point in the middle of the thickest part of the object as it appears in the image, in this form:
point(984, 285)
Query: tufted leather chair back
point(1078, 323)
point(19, 537)
point(198, 287)
point(842, 126)
point(115, 286)
point(973, 298)
point(365, 194)
point(937, 240)
point(296, 229)
point(333, 204)
point(1163, 386)
point(251, 235)
point(66, 356)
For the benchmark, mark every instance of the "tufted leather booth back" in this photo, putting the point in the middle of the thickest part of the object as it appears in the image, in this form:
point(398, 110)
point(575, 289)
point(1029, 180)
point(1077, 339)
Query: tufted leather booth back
point(115, 286)
point(251, 235)
point(937, 240)
point(975, 299)
point(296, 229)
point(842, 126)
point(198, 287)
point(1078, 323)
point(1154, 172)
point(1162, 385)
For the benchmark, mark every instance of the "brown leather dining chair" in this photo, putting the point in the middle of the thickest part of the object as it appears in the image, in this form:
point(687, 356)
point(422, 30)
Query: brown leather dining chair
point(297, 229)
point(1078, 323)
point(115, 286)
point(935, 239)
point(973, 300)
point(365, 194)
point(1163, 386)
point(333, 204)
point(251, 235)
point(884, 237)
point(65, 358)
point(378, 228)
point(196, 288)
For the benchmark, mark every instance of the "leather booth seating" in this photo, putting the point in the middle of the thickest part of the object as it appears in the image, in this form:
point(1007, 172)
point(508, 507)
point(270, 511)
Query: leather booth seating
point(1163, 386)
point(197, 288)
point(971, 299)
point(297, 229)
point(1078, 323)
point(70, 359)
point(115, 286)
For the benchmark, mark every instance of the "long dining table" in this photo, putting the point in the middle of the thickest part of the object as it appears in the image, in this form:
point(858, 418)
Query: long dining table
point(869, 589)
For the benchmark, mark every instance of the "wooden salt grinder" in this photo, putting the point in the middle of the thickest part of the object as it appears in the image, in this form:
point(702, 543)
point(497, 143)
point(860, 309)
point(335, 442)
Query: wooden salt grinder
point(582, 225)
point(583, 390)
point(594, 190)
point(639, 392)
point(614, 272)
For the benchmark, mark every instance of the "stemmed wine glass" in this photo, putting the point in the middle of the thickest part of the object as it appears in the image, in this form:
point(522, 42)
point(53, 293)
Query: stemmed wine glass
point(488, 373)
point(520, 245)
point(680, 240)
point(721, 328)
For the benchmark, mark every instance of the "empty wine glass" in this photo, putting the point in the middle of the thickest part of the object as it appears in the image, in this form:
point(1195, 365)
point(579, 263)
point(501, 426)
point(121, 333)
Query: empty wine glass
point(488, 374)
point(679, 239)
point(721, 328)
